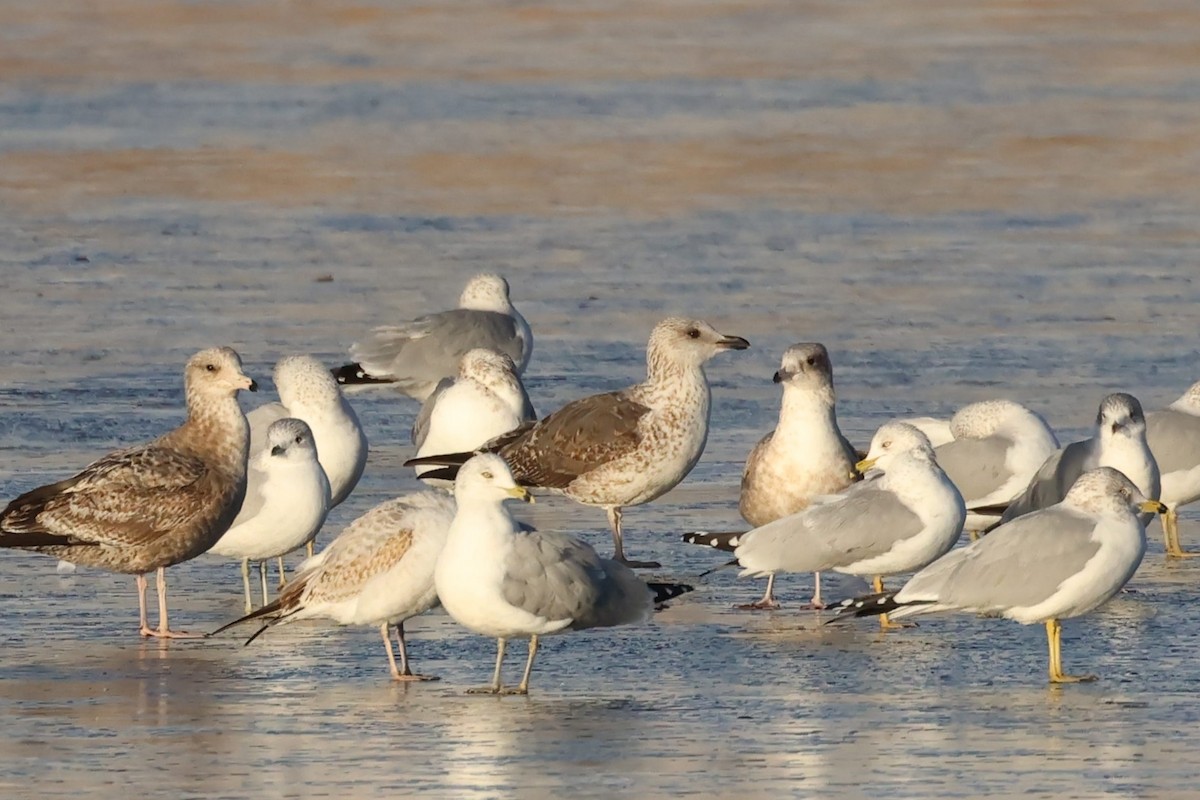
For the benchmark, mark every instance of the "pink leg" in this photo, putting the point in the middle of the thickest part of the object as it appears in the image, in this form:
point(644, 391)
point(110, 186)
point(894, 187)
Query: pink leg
point(143, 621)
point(163, 631)
point(815, 604)
point(768, 601)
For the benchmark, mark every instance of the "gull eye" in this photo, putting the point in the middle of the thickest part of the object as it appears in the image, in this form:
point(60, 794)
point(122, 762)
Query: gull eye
point(812, 361)
point(299, 439)
point(486, 474)
point(211, 367)
point(693, 333)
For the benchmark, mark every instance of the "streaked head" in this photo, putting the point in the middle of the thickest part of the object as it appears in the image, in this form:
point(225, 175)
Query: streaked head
point(891, 440)
point(487, 477)
point(984, 418)
point(291, 439)
point(486, 292)
point(216, 372)
point(1108, 491)
point(302, 380)
point(806, 365)
point(486, 366)
point(687, 342)
point(1121, 415)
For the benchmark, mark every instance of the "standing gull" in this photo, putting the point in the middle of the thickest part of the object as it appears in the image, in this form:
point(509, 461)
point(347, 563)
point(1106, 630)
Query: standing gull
point(287, 498)
point(498, 581)
point(486, 400)
point(1120, 443)
point(627, 447)
point(416, 355)
point(150, 507)
point(1174, 438)
point(806, 456)
point(1060, 562)
point(903, 515)
point(379, 571)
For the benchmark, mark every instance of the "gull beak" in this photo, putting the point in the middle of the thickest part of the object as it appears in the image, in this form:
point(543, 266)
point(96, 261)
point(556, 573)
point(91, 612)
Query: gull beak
point(277, 450)
point(780, 376)
point(865, 464)
point(521, 493)
point(732, 343)
point(1152, 507)
point(242, 382)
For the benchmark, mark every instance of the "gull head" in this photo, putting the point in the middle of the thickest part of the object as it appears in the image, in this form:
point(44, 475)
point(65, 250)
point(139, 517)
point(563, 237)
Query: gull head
point(486, 292)
point(805, 365)
point(216, 372)
point(892, 440)
point(488, 479)
point(488, 367)
point(304, 381)
point(1107, 492)
point(1121, 415)
point(688, 342)
point(291, 440)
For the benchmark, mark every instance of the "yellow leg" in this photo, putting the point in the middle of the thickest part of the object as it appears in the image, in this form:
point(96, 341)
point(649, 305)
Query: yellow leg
point(886, 624)
point(1170, 524)
point(1054, 640)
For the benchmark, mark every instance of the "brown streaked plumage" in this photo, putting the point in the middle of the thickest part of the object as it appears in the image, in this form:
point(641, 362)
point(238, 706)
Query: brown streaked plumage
point(149, 507)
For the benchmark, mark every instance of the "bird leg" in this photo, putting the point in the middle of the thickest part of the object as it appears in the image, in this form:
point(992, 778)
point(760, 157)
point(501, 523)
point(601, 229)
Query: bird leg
point(163, 631)
point(768, 601)
point(1170, 524)
point(405, 674)
point(1054, 639)
point(246, 584)
point(886, 624)
point(263, 568)
point(816, 604)
point(310, 548)
point(143, 621)
point(495, 687)
point(523, 687)
point(282, 576)
point(614, 522)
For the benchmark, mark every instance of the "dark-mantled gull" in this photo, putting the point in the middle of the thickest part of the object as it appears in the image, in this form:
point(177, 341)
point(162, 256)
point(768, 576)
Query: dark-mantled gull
point(903, 515)
point(378, 571)
point(287, 498)
point(501, 582)
point(1120, 443)
point(149, 507)
point(414, 356)
point(1174, 438)
point(627, 447)
point(485, 400)
point(806, 456)
point(1053, 564)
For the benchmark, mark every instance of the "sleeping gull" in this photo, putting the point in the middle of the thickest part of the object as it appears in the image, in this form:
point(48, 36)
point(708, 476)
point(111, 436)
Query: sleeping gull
point(149, 507)
point(379, 571)
point(485, 400)
point(500, 582)
point(804, 457)
point(621, 448)
point(416, 355)
point(996, 447)
point(903, 515)
point(287, 498)
point(1120, 443)
point(1060, 562)
point(1173, 435)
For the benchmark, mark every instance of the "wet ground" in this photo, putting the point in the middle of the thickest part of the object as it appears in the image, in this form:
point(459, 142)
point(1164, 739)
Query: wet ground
point(961, 200)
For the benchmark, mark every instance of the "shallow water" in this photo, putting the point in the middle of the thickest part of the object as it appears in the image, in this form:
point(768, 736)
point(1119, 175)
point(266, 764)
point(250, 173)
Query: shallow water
point(960, 200)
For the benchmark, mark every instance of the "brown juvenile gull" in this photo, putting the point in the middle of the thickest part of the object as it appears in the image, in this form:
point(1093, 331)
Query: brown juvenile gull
point(149, 507)
point(806, 456)
point(621, 448)
point(414, 356)
point(1174, 438)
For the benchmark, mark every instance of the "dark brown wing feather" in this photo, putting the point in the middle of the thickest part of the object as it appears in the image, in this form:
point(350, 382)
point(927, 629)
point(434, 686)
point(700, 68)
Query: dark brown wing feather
point(574, 440)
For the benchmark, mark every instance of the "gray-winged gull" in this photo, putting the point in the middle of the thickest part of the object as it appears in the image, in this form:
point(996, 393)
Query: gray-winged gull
point(627, 447)
point(1174, 438)
point(1057, 563)
point(501, 582)
point(414, 356)
point(149, 507)
point(379, 571)
point(287, 498)
point(806, 456)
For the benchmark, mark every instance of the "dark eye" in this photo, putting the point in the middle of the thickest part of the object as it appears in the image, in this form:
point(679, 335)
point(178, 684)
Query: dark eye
point(812, 361)
point(693, 333)
point(211, 367)
point(299, 439)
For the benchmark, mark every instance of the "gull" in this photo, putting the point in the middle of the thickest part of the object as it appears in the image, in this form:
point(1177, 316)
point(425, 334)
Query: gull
point(1049, 565)
point(287, 498)
point(498, 581)
point(621, 448)
point(414, 356)
point(902, 516)
point(149, 507)
point(485, 400)
point(996, 446)
point(1173, 435)
point(1120, 443)
point(805, 457)
point(379, 571)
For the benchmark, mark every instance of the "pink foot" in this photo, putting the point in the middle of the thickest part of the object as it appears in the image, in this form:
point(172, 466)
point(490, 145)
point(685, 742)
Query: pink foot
point(410, 677)
point(813, 605)
point(156, 633)
point(759, 605)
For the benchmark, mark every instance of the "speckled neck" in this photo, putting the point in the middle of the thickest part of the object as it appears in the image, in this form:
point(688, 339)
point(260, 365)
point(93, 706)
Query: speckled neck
point(216, 427)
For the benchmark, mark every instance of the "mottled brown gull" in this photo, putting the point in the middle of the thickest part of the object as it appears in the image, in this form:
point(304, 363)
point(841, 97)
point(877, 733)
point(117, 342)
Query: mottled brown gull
point(505, 583)
point(414, 356)
point(806, 456)
point(627, 447)
point(1173, 435)
point(1056, 563)
point(379, 571)
point(149, 507)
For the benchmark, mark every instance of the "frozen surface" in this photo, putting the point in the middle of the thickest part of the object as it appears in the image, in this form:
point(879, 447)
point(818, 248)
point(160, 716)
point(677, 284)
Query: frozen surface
point(962, 200)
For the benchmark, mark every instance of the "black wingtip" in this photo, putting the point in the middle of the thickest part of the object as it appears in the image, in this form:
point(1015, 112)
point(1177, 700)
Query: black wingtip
point(267, 610)
point(664, 591)
point(355, 375)
point(723, 540)
point(440, 460)
point(867, 605)
point(442, 473)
